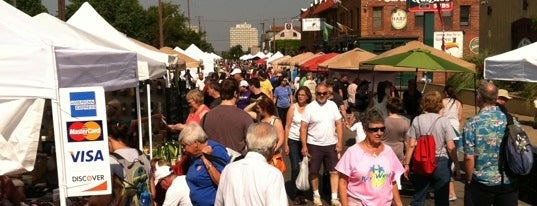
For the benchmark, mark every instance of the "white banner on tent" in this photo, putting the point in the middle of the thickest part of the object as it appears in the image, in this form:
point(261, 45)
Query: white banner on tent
point(85, 141)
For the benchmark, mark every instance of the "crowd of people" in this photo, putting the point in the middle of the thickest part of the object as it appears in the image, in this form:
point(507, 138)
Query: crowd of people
point(239, 121)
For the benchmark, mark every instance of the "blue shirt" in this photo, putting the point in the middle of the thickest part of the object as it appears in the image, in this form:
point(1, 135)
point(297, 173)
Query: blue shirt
point(481, 137)
point(202, 188)
point(282, 95)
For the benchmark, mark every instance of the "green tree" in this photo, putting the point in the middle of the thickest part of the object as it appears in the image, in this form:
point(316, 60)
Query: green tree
point(30, 7)
point(234, 52)
point(287, 46)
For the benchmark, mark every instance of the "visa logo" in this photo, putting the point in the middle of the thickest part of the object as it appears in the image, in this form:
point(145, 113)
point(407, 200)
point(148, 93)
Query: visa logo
point(87, 156)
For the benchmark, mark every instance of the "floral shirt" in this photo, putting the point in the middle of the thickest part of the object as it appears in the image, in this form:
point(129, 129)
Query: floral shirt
point(481, 137)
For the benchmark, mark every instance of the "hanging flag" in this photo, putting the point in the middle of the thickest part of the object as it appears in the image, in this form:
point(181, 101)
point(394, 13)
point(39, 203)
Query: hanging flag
point(327, 30)
point(342, 28)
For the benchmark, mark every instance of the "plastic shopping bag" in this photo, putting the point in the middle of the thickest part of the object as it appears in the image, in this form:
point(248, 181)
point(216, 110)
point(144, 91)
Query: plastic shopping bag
point(302, 181)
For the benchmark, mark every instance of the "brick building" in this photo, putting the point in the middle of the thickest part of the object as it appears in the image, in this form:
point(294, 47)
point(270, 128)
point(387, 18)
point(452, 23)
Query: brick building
point(506, 25)
point(380, 25)
point(369, 23)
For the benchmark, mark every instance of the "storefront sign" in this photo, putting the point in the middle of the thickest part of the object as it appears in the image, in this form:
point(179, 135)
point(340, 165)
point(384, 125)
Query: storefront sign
point(429, 6)
point(399, 19)
point(453, 42)
point(311, 24)
point(474, 45)
point(85, 141)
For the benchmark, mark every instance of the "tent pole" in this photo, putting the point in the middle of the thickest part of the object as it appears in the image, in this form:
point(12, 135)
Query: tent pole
point(149, 119)
point(139, 115)
point(475, 94)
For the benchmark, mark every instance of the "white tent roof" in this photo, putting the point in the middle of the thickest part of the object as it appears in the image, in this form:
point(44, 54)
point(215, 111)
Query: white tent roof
point(30, 63)
point(27, 62)
point(261, 55)
point(113, 69)
point(178, 49)
point(516, 65)
point(195, 52)
point(246, 57)
point(87, 19)
point(274, 57)
point(215, 56)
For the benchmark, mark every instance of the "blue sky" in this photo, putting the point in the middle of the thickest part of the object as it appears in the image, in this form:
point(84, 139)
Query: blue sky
point(217, 16)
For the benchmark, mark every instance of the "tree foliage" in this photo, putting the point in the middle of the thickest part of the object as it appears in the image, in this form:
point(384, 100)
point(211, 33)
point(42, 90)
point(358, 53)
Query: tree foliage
point(287, 46)
point(30, 7)
point(234, 52)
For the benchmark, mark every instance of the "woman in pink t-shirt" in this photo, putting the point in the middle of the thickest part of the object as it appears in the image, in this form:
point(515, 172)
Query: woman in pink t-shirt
point(368, 170)
point(194, 99)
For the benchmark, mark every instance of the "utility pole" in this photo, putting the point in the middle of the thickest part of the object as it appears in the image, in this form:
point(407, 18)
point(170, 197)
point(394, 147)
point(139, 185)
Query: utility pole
point(263, 35)
point(160, 32)
point(61, 9)
point(273, 34)
point(199, 24)
point(188, 12)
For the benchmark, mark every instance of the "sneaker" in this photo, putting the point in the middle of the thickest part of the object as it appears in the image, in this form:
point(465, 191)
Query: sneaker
point(452, 198)
point(317, 200)
point(335, 202)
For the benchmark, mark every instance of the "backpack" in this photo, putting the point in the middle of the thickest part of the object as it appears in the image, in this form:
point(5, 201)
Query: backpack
point(424, 156)
point(516, 157)
point(136, 181)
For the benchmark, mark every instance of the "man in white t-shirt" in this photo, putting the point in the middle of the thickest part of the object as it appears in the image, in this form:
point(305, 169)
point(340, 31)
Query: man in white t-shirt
point(252, 180)
point(200, 82)
point(321, 135)
point(177, 191)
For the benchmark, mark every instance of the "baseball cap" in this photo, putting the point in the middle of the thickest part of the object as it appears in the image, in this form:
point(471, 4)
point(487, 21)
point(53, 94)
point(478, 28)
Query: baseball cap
point(243, 83)
point(236, 71)
point(161, 172)
point(504, 93)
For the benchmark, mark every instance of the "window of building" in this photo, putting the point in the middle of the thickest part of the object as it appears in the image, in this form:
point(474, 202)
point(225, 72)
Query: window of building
point(418, 19)
point(295, 34)
point(448, 19)
point(282, 34)
point(465, 16)
point(377, 17)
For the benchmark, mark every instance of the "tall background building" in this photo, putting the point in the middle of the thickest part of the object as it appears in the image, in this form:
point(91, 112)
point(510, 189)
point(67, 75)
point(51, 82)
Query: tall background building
point(244, 35)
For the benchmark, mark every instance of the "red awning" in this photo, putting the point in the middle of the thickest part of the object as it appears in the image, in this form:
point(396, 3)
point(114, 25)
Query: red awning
point(261, 61)
point(323, 6)
point(312, 64)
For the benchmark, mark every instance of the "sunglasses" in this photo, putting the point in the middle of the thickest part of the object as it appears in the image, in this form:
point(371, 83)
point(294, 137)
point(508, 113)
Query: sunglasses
point(376, 129)
point(321, 93)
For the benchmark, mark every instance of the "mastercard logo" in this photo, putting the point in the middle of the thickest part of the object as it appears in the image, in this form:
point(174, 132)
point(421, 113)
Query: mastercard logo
point(85, 131)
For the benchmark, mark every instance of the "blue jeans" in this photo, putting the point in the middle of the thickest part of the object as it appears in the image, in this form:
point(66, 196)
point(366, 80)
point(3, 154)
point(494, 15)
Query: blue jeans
point(295, 156)
point(440, 180)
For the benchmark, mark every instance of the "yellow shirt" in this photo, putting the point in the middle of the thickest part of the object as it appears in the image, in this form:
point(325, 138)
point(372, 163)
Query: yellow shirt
point(266, 87)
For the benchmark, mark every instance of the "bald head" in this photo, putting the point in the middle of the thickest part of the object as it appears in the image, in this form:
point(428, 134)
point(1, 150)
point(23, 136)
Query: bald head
point(261, 138)
point(487, 93)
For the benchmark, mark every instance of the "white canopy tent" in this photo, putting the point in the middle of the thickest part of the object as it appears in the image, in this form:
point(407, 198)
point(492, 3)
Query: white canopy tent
point(246, 57)
point(272, 58)
point(206, 60)
point(515, 65)
point(88, 20)
point(33, 68)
